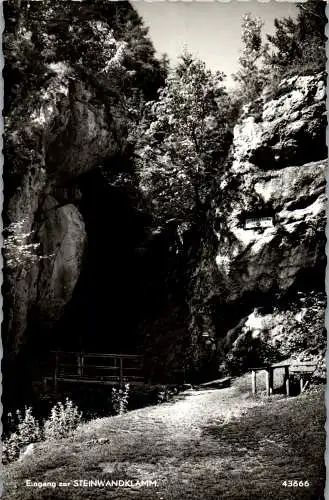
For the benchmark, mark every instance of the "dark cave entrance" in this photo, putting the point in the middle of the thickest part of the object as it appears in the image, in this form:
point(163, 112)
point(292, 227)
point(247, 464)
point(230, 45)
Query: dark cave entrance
point(107, 303)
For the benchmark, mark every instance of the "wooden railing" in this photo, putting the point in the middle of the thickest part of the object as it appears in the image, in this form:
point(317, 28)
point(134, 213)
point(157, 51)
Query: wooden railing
point(110, 369)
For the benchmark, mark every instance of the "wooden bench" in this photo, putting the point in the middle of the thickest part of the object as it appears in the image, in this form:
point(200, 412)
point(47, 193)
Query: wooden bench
point(290, 367)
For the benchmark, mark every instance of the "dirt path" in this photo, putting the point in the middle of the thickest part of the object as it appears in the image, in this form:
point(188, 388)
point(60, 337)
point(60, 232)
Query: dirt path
point(215, 444)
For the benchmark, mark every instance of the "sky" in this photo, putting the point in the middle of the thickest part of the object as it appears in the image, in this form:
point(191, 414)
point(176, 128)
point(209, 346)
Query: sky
point(211, 30)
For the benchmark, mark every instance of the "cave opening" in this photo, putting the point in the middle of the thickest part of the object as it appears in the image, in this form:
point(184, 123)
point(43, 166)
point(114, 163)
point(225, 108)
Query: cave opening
point(105, 309)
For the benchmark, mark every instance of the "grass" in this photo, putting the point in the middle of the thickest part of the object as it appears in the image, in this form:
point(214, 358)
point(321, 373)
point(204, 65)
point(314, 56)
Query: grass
point(215, 444)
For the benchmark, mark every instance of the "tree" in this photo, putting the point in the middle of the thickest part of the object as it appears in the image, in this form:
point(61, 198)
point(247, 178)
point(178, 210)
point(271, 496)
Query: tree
point(251, 76)
point(182, 142)
point(86, 36)
point(103, 44)
point(20, 250)
point(165, 64)
point(299, 46)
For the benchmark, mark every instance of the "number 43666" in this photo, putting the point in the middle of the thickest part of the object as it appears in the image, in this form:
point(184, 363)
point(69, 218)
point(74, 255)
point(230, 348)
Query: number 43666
point(296, 484)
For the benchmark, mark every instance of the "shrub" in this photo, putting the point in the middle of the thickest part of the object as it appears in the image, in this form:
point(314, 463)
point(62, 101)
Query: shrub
point(28, 431)
point(63, 420)
point(11, 448)
point(248, 352)
point(120, 398)
point(162, 396)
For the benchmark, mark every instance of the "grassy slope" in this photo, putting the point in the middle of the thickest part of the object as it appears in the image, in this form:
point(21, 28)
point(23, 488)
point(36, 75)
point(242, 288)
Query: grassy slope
point(219, 444)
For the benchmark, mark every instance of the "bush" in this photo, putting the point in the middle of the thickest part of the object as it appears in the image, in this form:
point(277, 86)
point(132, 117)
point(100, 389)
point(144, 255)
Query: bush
point(166, 393)
point(120, 398)
point(28, 431)
point(11, 448)
point(63, 420)
point(162, 396)
point(249, 352)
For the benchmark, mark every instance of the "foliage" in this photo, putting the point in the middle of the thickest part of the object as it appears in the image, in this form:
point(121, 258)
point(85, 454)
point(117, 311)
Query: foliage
point(99, 38)
point(19, 249)
point(166, 394)
point(120, 399)
point(249, 351)
point(63, 420)
point(103, 44)
point(147, 73)
point(162, 396)
point(28, 431)
point(11, 448)
point(298, 46)
point(294, 327)
point(28, 428)
point(251, 75)
point(182, 141)
point(308, 334)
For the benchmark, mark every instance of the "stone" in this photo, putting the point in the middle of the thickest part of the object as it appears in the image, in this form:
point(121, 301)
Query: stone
point(296, 195)
point(27, 451)
point(62, 132)
point(276, 171)
point(289, 189)
point(291, 130)
point(63, 237)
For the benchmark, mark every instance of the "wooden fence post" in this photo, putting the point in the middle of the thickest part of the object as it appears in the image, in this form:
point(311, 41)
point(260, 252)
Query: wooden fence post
point(79, 365)
point(271, 381)
point(121, 371)
point(287, 381)
point(253, 382)
point(268, 382)
point(301, 382)
point(82, 360)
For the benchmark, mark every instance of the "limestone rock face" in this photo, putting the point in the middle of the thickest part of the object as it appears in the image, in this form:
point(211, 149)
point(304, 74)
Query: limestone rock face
point(52, 138)
point(291, 203)
point(284, 130)
point(272, 224)
point(269, 229)
point(63, 237)
point(64, 132)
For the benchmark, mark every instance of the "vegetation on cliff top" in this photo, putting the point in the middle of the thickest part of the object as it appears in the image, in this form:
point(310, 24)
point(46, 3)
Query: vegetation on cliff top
point(297, 47)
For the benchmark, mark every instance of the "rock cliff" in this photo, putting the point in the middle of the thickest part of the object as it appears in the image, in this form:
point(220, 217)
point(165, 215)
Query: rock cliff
point(63, 133)
point(264, 249)
point(270, 222)
point(66, 119)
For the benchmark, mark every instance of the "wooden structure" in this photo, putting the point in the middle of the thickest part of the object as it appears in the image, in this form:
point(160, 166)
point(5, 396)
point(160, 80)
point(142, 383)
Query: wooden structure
point(94, 368)
point(290, 367)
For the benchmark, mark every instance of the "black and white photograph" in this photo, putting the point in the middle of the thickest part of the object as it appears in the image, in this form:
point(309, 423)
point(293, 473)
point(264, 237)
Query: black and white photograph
point(164, 250)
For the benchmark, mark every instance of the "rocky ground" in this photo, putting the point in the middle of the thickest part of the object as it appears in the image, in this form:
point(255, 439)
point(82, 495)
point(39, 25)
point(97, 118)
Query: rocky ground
point(205, 444)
